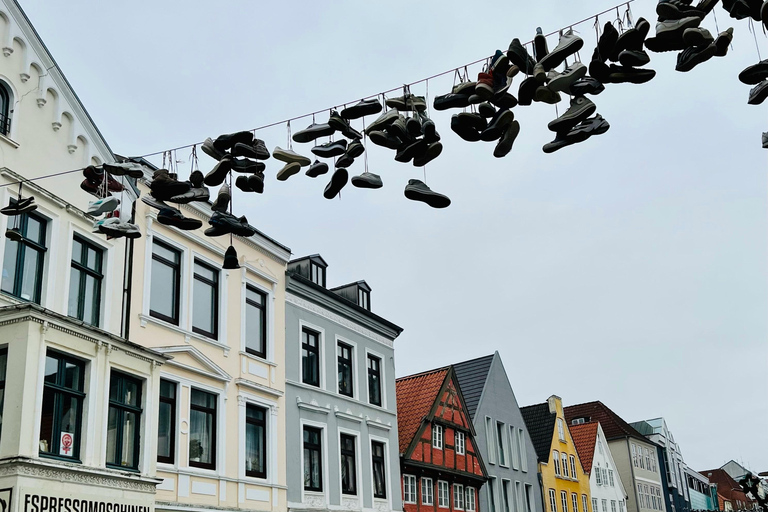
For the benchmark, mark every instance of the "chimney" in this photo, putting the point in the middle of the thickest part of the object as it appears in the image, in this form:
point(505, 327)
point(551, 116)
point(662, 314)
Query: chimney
point(555, 404)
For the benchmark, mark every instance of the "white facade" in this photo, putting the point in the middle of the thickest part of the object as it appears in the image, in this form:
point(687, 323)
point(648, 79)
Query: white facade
point(607, 490)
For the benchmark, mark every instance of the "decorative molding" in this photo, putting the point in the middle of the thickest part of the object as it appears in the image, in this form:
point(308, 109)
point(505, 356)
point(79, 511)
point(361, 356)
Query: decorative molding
point(313, 406)
point(78, 474)
point(377, 424)
point(7, 50)
point(212, 370)
point(337, 319)
point(348, 416)
point(348, 503)
point(56, 126)
point(41, 103)
point(144, 320)
point(24, 77)
point(258, 387)
point(71, 148)
point(314, 500)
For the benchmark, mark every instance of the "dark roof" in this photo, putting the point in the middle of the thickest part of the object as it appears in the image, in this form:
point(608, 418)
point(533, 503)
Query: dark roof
point(541, 427)
point(472, 375)
point(310, 257)
point(613, 426)
point(360, 283)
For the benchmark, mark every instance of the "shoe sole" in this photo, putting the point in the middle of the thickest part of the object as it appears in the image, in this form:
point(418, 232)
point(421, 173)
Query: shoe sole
point(501, 150)
point(356, 151)
point(759, 96)
point(105, 208)
point(290, 158)
point(289, 170)
point(329, 152)
point(338, 182)
point(632, 61)
point(384, 120)
point(360, 182)
point(433, 151)
point(358, 111)
point(697, 59)
point(559, 54)
point(563, 82)
point(433, 199)
point(184, 224)
point(546, 95)
point(675, 33)
point(754, 74)
point(18, 211)
point(571, 118)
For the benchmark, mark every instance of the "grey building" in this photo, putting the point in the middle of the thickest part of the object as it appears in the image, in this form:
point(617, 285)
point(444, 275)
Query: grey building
point(342, 444)
point(502, 437)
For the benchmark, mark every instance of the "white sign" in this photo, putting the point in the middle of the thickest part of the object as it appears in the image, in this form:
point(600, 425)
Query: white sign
point(67, 444)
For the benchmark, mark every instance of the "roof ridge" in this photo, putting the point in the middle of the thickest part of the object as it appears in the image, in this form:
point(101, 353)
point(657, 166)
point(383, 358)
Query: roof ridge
point(421, 374)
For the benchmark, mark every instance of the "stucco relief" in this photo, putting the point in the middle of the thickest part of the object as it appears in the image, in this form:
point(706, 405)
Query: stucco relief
point(77, 477)
point(348, 503)
point(314, 500)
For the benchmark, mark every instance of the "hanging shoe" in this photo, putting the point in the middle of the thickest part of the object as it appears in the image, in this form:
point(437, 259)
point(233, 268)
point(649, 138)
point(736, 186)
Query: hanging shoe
point(256, 182)
point(385, 139)
point(364, 108)
point(466, 88)
point(410, 151)
point(519, 56)
point(211, 151)
point(758, 93)
point(242, 183)
point(94, 177)
point(428, 128)
point(312, 132)
point(764, 14)
point(151, 201)
point(417, 190)
point(504, 100)
point(332, 149)
point(631, 40)
point(697, 36)
point(754, 74)
point(25, 205)
point(693, 56)
point(246, 165)
point(765, 140)
point(451, 100)
point(625, 75)
point(463, 130)
point(344, 161)
point(499, 63)
point(290, 156)
point(606, 45)
point(382, 121)
point(484, 86)
point(13, 234)
point(669, 34)
point(569, 44)
point(200, 194)
point(634, 58)
point(539, 73)
point(316, 169)
point(120, 229)
point(164, 187)
point(563, 81)
point(486, 110)
point(100, 206)
point(247, 151)
point(221, 204)
point(540, 49)
point(676, 10)
point(342, 125)
point(497, 125)
point(107, 220)
point(504, 146)
point(580, 109)
point(412, 127)
point(132, 169)
point(230, 224)
point(217, 175)
point(231, 261)
point(407, 103)
point(367, 180)
point(228, 141)
point(288, 170)
point(356, 148)
point(723, 41)
point(546, 95)
point(527, 91)
point(399, 128)
point(338, 181)
point(172, 217)
point(430, 153)
point(586, 85)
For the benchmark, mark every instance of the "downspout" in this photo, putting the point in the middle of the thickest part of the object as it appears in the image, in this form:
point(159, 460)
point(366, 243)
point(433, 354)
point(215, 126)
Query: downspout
point(127, 280)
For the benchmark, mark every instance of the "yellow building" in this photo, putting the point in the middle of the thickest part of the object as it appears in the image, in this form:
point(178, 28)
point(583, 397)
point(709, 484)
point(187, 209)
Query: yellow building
point(564, 484)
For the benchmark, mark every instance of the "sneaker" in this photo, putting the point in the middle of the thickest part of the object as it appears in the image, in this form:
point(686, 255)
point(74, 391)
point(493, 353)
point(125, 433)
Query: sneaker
point(519, 56)
point(231, 261)
point(97, 225)
point(312, 132)
point(221, 204)
point(399, 128)
point(153, 202)
point(486, 110)
point(27, 205)
point(242, 183)
point(764, 14)
point(382, 121)
point(563, 81)
point(693, 56)
point(94, 177)
point(120, 229)
point(755, 73)
point(580, 109)
point(600, 71)
point(452, 100)
point(484, 87)
point(676, 10)
point(211, 151)
point(256, 182)
point(634, 58)
point(546, 95)
point(606, 45)
point(248, 151)
point(344, 161)
point(385, 139)
point(227, 141)
point(231, 224)
point(338, 181)
point(341, 125)
point(217, 175)
point(246, 165)
point(173, 217)
point(364, 108)
point(289, 156)
point(288, 170)
point(739, 9)
point(367, 180)
point(218, 230)
point(499, 63)
point(409, 102)
point(586, 85)
point(428, 128)
point(697, 36)
point(316, 169)
point(589, 127)
point(410, 151)
point(476, 121)
point(497, 125)
point(527, 91)
point(356, 148)
point(504, 100)
point(331, 149)
point(625, 75)
point(98, 207)
point(466, 88)
point(569, 44)
point(723, 41)
point(432, 151)
point(758, 93)
point(417, 190)
point(194, 194)
point(262, 153)
point(539, 45)
point(164, 187)
point(132, 169)
point(632, 39)
point(669, 34)
point(539, 73)
point(466, 132)
point(412, 126)
point(507, 139)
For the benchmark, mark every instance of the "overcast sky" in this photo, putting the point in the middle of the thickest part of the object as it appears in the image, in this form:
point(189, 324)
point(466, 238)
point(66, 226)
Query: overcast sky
point(629, 269)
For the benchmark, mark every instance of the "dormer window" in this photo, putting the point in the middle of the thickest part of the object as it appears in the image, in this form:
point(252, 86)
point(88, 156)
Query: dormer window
point(364, 299)
point(317, 274)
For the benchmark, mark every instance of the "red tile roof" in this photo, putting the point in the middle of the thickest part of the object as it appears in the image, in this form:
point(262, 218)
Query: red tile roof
point(585, 437)
point(416, 394)
point(727, 487)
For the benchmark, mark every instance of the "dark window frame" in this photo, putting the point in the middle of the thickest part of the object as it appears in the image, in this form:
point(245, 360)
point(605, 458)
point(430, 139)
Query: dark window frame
point(82, 267)
point(214, 413)
point(5, 109)
point(306, 346)
point(263, 312)
point(374, 373)
point(3, 352)
point(345, 454)
point(59, 390)
point(345, 362)
point(176, 266)
point(122, 408)
point(173, 401)
point(308, 445)
point(378, 461)
point(214, 284)
point(26, 244)
point(263, 424)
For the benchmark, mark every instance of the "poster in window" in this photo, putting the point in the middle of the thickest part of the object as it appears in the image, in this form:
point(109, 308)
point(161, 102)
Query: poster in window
point(66, 444)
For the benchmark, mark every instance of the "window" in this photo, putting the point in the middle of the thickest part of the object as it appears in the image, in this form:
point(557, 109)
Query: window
point(363, 299)
point(374, 380)
point(505, 507)
point(313, 476)
point(552, 501)
point(594, 505)
point(621, 506)
point(255, 441)
point(166, 431)
point(317, 274)
point(85, 282)
point(442, 494)
point(489, 441)
point(349, 468)
point(556, 460)
point(310, 357)
point(409, 488)
point(647, 496)
point(640, 496)
point(600, 446)
point(202, 430)
point(575, 502)
point(564, 500)
point(61, 418)
point(519, 497)
point(647, 459)
point(124, 421)
point(564, 459)
point(437, 437)
point(492, 494)
point(3, 367)
point(5, 109)
point(560, 429)
point(345, 369)
point(255, 322)
point(514, 448)
point(458, 497)
point(523, 450)
point(572, 459)
point(501, 436)
point(598, 476)
point(613, 506)
point(605, 505)
point(379, 474)
point(634, 456)
point(23, 261)
point(165, 288)
point(529, 498)
point(205, 310)
point(584, 503)
point(427, 490)
point(459, 442)
point(640, 458)
point(470, 499)
point(610, 477)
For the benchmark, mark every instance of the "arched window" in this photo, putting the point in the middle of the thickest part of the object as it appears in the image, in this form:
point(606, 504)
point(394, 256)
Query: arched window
point(5, 108)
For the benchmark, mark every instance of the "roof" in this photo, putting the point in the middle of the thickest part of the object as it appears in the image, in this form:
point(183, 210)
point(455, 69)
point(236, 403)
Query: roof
point(416, 394)
point(310, 257)
point(360, 283)
point(585, 438)
point(541, 427)
point(613, 426)
point(472, 375)
point(726, 485)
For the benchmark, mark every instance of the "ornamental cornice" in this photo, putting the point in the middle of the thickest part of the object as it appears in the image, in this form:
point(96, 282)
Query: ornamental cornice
point(77, 474)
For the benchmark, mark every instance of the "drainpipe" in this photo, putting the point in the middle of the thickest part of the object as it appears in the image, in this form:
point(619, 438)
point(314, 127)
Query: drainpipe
point(127, 281)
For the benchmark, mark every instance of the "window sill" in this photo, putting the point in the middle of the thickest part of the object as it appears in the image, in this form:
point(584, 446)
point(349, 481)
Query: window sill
point(188, 335)
point(123, 468)
point(259, 359)
point(9, 141)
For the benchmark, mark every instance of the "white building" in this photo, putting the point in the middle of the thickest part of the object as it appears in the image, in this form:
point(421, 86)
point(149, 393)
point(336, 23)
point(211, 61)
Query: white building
point(605, 486)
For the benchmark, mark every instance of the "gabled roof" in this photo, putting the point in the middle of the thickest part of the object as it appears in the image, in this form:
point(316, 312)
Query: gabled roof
point(585, 438)
point(613, 426)
point(416, 394)
point(541, 427)
point(472, 375)
point(727, 487)
point(316, 257)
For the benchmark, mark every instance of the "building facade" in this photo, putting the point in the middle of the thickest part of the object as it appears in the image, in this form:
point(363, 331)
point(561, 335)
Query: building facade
point(502, 437)
point(635, 456)
point(606, 489)
point(440, 462)
point(703, 494)
point(564, 483)
point(730, 495)
point(340, 396)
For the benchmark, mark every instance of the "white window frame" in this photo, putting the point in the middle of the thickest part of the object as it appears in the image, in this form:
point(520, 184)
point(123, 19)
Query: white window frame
point(492, 498)
point(470, 499)
point(427, 483)
point(355, 364)
point(502, 443)
point(598, 476)
point(271, 436)
point(575, 501)
point(552, 500)
point(382, 378)
point(610, 477)
point(323, 458)
point(556, 461)
point(409, 481)
point(442, 485)
point(613, 506)
point(222, 292)
point(358, 458)
point(572, 461)
point(505, 492)
point(387, 469)
point(519, 498)
point(184, 276)
point(458, 492)
point(584, 503)
point(514, 447)
point(105, 310)
point(564, 500)
point(437, 436)
point(489, 438)
point(321, 353)
point(604, 505)
point(560, 429)
point(221, 427)
point(530, 503)
point(523, 450)
point(594, 505)
point(269, 317)
point(460, 443)
point(564, 463)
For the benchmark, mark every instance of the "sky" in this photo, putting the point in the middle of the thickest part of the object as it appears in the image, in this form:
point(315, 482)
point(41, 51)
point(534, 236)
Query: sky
point(629, 269)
